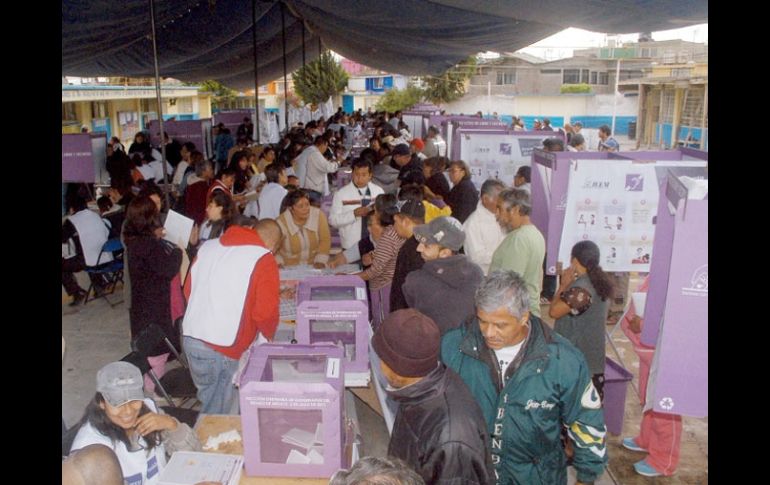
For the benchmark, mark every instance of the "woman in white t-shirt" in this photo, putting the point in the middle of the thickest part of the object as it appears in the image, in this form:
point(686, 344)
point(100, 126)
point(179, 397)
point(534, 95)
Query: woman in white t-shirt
point(121, 418)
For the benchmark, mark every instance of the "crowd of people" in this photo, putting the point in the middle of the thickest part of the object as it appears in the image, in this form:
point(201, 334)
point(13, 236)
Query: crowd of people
point(487, 391)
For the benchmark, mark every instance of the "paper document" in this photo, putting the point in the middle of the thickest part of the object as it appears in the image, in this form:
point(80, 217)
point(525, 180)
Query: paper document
point(190, 467)
point(178, 228)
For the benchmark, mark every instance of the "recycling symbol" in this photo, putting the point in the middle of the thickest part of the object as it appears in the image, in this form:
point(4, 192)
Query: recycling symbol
point(667, 403)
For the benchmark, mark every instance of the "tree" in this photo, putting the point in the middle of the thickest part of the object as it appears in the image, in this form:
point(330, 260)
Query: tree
point(399, 99)
point(450, 86)
point(322, 78)
point(217, 88)
point(575, 88)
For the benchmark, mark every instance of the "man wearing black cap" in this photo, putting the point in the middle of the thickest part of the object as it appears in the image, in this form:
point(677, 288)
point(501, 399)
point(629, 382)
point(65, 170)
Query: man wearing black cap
point(409, 165)
point(411, 213)
point(439, 429)
point(444, 287)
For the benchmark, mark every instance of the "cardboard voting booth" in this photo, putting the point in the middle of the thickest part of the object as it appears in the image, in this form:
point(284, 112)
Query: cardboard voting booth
point(84, 158)
point(610, 198)
point(676, 309)
point(495, 153)
point(196, 131)
point(334, 309)
point(292, 410)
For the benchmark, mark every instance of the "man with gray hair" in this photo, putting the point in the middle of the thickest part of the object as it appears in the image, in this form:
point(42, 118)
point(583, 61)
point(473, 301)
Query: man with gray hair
point(523, 249)
point(530, 383)
point(482, 232)
point(374, 470)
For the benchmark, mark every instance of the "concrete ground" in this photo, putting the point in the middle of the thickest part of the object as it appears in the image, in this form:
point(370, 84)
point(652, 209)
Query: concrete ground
point(97, 334)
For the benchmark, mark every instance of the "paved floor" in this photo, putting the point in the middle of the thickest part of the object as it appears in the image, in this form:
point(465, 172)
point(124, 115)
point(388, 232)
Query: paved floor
point(97, 334)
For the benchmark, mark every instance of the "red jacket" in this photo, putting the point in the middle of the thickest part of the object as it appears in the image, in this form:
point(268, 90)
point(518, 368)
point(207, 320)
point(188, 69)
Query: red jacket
point(261, 308)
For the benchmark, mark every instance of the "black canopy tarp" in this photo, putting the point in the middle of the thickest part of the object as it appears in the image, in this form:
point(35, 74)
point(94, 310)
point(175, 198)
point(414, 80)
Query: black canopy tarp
point(212, 39)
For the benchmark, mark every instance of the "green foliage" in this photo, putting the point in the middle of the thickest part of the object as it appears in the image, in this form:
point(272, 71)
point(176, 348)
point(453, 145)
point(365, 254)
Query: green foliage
point(575, 88)
point(216, 87)
point(320, 79)
point(450, 86)
point(399, 99)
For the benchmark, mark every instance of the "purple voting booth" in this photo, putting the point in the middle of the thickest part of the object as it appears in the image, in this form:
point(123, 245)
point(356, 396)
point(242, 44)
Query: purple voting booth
point(196, 131)
point(292, 411)
point(232, 119)
point(676, 311)
point(334, 309)
point(551, 179)
point(84, 158)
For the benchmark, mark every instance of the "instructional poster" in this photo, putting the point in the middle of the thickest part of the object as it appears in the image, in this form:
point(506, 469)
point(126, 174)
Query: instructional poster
point(496, 155)
point(612, 204)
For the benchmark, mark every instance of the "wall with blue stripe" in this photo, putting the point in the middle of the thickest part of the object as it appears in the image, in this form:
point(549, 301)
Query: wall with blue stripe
point(621, 122)
point(694, 134)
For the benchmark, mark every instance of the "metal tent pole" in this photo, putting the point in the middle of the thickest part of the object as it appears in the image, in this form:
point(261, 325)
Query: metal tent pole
point(256, 70)
point(285, 82)
point(160, 106)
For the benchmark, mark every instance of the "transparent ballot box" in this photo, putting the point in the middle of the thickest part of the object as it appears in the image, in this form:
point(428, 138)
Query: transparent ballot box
point(344, 324)
point(332, 288)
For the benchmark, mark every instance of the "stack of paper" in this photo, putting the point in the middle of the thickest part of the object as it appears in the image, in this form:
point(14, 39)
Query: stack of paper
point(191, 467)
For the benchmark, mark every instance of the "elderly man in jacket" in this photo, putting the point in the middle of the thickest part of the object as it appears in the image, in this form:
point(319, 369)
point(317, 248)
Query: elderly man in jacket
point(530, 383)
point(439, 429)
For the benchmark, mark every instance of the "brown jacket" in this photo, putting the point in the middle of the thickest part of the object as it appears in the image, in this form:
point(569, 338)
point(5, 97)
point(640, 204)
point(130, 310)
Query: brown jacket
point(316, 234)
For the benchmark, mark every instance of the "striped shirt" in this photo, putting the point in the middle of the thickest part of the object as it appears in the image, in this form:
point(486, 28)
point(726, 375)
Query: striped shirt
point(380, 273)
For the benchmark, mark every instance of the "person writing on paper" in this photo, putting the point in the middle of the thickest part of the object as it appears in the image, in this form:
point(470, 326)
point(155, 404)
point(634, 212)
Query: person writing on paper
point(352, 204)
point(122, 419)
point(153, 263)
point(580, 307)
point(232, 295)
point(306, 232)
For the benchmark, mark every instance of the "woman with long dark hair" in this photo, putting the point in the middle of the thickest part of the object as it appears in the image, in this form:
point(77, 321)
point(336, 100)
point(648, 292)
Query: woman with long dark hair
point(152, 263)
point(580, 307)
point(121, 418)
point(219, 212)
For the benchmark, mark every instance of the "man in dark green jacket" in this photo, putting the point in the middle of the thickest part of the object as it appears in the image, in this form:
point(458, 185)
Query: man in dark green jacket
point(530, 383)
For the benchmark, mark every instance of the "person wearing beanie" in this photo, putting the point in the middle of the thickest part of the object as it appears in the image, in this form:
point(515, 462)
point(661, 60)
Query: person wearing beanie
point(444, 287)
point(439, 429)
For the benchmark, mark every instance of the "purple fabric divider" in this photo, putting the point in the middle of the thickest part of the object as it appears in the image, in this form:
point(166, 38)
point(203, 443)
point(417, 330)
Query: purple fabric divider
point(662, 247)
point(77, 158)
point(380, 305)
point(681, 381)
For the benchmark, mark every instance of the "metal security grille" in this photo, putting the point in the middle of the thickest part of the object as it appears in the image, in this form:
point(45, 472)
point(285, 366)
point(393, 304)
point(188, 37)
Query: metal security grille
point(667, 103)
point(692, 110)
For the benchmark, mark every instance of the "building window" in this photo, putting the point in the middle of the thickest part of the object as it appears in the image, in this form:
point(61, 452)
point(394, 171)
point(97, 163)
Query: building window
point(68, 112)
point(630, 74)
point(681, 72)
point(571, 76)
point(506, 77)
point(184, 105)
point(584, 76)
point(550, 71)
point(378, 83)
point(604, 78)
point(99, 109)
point(593, 77)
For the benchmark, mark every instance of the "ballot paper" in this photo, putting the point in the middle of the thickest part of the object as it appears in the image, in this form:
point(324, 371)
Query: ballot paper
point(178, 228)
point(226, 437)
